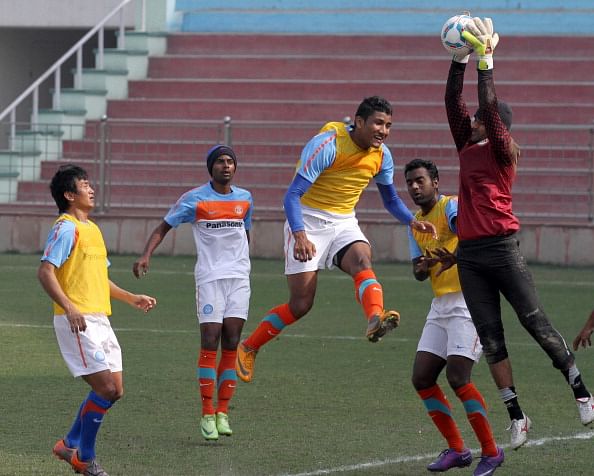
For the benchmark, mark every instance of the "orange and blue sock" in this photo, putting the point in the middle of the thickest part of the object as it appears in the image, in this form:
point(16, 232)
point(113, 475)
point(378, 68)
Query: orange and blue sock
point(476, 411)
point(226, 380)
point(91, 416)
point(271, 326)
point(369, 293)
point(439, 410)
point(207, 362)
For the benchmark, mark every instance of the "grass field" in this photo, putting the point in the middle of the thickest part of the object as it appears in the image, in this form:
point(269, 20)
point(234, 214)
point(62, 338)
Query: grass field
point(323, 401)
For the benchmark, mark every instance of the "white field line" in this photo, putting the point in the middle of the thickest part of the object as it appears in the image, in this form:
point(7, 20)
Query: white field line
point(588, 435)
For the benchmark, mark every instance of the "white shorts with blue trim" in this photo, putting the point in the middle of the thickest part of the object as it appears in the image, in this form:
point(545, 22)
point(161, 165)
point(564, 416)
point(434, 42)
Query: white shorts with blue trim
point(222, 298)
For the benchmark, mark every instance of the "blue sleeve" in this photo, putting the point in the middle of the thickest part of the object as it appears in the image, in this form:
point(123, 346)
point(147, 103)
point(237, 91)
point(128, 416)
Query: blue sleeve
point(386, 174)
point(413, 246)
point(60, 242)
point(451, 211)
point(184, 210)
point(292, 202)
point(317, 155)
point(394, 203)
point(247, 221)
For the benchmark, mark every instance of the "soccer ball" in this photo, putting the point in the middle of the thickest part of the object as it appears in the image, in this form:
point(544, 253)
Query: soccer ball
point(451, 35)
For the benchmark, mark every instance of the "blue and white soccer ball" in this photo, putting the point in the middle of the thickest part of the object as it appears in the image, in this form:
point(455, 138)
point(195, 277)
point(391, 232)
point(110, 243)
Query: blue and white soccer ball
point(451, 35)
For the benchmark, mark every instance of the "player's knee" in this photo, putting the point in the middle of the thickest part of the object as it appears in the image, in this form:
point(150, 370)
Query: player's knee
point(457, 379)
point(421, 382)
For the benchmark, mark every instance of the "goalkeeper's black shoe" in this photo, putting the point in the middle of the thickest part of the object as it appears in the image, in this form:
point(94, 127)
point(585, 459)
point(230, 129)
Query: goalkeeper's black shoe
point(379, 325)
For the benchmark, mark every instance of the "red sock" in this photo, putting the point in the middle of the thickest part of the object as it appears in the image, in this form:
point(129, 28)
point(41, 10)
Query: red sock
point(369, 293)
point(270, 326)
point(226, 380)
point(439, 410)
point(207, 361)
point(476, 411)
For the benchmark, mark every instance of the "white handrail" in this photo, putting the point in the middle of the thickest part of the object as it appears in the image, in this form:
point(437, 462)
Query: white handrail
point(55, 69)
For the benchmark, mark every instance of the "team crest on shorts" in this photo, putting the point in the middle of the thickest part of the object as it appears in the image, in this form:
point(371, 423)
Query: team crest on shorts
point(99, 356)
point(207, 309)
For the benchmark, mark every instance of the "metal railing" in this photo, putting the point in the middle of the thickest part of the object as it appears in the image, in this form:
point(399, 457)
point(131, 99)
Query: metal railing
point(146, 164)
point(56, 68)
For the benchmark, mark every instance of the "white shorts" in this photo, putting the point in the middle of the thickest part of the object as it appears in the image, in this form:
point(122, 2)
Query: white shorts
point(94, 350)
point(222, 298)
point(449, 329)
point(329, 235)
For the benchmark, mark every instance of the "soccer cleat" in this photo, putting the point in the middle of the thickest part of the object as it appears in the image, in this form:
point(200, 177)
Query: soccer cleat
point(379, 325)
point(586, 409)
point(63, 452)
point(488, 464)
point(208, 427)
point(223, 424)
point(244, 365)
point(450, 458)
point(519, 431)
point(86, 468)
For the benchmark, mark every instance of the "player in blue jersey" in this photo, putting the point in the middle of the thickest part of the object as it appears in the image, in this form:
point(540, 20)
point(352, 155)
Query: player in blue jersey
point(322, 231)
point(221, 218)
point(449, 339)
point(74, 274)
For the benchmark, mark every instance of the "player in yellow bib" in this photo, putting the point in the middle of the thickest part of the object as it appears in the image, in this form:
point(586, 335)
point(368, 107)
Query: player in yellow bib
point(322, 231)
point(73, 272)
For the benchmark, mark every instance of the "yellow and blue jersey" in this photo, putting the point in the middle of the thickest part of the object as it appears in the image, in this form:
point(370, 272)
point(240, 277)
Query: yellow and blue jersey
point(78, 252)
point(443, 216)
point(339, 169)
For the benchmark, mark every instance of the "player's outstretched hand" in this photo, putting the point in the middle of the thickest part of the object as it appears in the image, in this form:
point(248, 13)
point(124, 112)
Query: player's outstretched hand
point(140, 267)
point(143, 302)
point(424, 227)
point(446, 258)
point(584, 338)
point(479, 33)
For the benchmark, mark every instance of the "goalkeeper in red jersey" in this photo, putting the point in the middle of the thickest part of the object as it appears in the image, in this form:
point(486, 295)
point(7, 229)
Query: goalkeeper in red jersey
point(489, 259)
point(449, 339)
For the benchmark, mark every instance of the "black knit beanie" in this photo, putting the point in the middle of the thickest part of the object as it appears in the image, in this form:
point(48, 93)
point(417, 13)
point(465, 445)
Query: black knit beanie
point(215, 152)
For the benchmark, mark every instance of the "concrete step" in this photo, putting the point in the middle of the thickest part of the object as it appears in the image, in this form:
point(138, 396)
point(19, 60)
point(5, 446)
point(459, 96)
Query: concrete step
point(294, 89)
point(389, 45)
point(363, 67)
point(318, 110)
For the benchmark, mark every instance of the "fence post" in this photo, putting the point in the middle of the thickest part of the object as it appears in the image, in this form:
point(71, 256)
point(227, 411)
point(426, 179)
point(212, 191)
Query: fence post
point(102, 159)
point(591, 184)
point(227, 131)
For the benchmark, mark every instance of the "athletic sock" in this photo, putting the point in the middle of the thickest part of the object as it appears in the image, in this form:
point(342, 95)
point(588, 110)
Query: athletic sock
point(207, 362)
point(91, 415)
point(574, 379)
point(476, 412)
point(72, 439)
point(271, 326)
point(439, 410)
point(226, 379)
point(510, 399)
point(369, 293)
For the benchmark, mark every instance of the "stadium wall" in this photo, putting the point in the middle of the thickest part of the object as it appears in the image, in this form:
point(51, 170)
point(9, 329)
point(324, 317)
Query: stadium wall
point(569, 244)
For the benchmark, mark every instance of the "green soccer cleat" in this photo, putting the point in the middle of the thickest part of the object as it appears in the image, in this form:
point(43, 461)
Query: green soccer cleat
point(223, 424)
point(379, 325)
point(208, 428)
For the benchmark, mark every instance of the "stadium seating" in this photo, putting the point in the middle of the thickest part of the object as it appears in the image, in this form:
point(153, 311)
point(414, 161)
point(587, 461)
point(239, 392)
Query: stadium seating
point(279, 89)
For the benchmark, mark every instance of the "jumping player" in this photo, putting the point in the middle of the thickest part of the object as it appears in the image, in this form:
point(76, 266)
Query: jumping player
point(449, 339)
point(73, 272)
point(221, 217)
point(489, 258)
point(322, 231)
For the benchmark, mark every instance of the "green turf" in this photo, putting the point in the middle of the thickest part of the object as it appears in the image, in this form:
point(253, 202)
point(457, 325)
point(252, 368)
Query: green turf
point(323, 401)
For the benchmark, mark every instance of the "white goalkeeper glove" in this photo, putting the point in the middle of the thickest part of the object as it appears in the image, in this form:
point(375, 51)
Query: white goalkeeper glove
point(480, 35)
